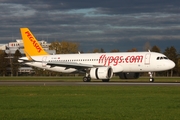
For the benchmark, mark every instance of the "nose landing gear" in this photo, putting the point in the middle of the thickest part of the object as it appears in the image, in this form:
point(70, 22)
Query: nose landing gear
point(151, 79)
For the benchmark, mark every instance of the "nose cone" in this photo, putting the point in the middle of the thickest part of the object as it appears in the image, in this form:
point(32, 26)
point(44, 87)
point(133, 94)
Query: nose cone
point(171, 64)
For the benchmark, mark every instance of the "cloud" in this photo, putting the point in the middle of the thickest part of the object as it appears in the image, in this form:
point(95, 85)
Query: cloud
point(92, 21)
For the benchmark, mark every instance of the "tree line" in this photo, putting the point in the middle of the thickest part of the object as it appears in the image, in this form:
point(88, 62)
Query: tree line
point(9, 64)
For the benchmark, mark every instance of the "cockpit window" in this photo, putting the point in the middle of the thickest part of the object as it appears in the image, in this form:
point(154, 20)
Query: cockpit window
point(162, 58)
point(165, 58)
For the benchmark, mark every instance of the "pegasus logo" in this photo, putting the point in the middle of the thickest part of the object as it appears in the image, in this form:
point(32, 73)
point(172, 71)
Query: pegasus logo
point(34, 42)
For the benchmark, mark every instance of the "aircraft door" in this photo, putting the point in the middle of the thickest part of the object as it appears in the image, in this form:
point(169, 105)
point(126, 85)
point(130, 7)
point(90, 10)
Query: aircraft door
point(44, 61)
point(147, 59)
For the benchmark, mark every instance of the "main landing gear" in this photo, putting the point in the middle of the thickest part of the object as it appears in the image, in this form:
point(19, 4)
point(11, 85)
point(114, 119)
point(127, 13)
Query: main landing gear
point(86, 79)
point(151, 79)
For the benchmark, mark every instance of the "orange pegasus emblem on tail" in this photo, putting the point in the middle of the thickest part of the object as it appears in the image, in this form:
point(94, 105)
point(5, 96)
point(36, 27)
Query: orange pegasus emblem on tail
point(31, 45)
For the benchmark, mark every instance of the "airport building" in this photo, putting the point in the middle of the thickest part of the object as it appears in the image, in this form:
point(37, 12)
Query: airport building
point(11, 47)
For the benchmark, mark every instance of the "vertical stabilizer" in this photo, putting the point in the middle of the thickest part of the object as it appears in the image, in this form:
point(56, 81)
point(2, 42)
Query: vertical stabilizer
point(31, 45)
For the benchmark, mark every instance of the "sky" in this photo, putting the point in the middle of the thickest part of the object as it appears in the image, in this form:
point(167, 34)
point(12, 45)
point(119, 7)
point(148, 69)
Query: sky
point(106, 24)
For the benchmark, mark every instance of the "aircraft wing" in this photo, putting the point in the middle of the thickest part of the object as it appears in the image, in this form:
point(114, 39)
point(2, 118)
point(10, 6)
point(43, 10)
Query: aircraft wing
point(72, 65)
point(62, 64)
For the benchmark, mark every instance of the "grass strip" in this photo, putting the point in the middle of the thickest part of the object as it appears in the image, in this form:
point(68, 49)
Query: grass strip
point(89, 102)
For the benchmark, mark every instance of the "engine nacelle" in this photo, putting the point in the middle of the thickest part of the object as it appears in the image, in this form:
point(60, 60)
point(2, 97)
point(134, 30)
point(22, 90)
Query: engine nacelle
point(130, 75)
point(101, 73)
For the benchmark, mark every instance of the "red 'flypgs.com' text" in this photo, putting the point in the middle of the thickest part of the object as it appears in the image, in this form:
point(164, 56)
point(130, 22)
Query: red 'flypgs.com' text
point(107, 60)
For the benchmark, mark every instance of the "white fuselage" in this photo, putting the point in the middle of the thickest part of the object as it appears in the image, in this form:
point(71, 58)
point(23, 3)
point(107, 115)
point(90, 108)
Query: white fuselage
point(120, 62)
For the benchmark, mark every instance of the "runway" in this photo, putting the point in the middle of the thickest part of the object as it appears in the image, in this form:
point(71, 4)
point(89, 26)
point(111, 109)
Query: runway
point(50, 83)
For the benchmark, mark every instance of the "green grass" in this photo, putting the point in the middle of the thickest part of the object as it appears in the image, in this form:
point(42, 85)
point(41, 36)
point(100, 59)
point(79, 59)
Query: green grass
point(89, 102)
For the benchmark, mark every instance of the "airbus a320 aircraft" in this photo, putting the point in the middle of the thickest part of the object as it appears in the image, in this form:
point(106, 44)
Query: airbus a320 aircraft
point(94, 65)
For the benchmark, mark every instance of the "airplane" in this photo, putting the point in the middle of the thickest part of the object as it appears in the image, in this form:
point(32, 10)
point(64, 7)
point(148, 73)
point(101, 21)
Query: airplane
point(128, 65)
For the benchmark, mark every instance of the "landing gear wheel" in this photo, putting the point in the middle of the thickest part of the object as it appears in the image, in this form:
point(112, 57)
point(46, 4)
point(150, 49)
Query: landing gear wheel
point(151, 79)
point(86, 79)
point(105, 80)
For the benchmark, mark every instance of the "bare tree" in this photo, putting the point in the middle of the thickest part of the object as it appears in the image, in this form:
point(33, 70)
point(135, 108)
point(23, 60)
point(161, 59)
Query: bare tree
point(115, 50)
point(16, 64)
point(171, 53)
point(64, 47)
point(133, 50)
point(155, 49)
point(3, 63)
point(147, 46)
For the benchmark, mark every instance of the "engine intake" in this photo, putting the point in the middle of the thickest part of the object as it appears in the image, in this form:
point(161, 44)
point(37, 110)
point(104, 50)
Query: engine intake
point(101, 73)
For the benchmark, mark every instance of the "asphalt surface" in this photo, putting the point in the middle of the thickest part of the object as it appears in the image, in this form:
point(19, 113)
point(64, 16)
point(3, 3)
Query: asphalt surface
point(48, 83)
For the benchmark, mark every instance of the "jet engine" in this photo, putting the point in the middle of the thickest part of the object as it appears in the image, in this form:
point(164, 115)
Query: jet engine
point(101, 73)
point(129, 75)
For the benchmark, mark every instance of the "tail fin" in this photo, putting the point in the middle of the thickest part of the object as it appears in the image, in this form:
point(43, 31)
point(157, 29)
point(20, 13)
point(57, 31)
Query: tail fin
point(31, 45)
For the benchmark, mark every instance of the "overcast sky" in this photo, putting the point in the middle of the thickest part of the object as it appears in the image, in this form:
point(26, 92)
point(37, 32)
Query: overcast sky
point(107, 24)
